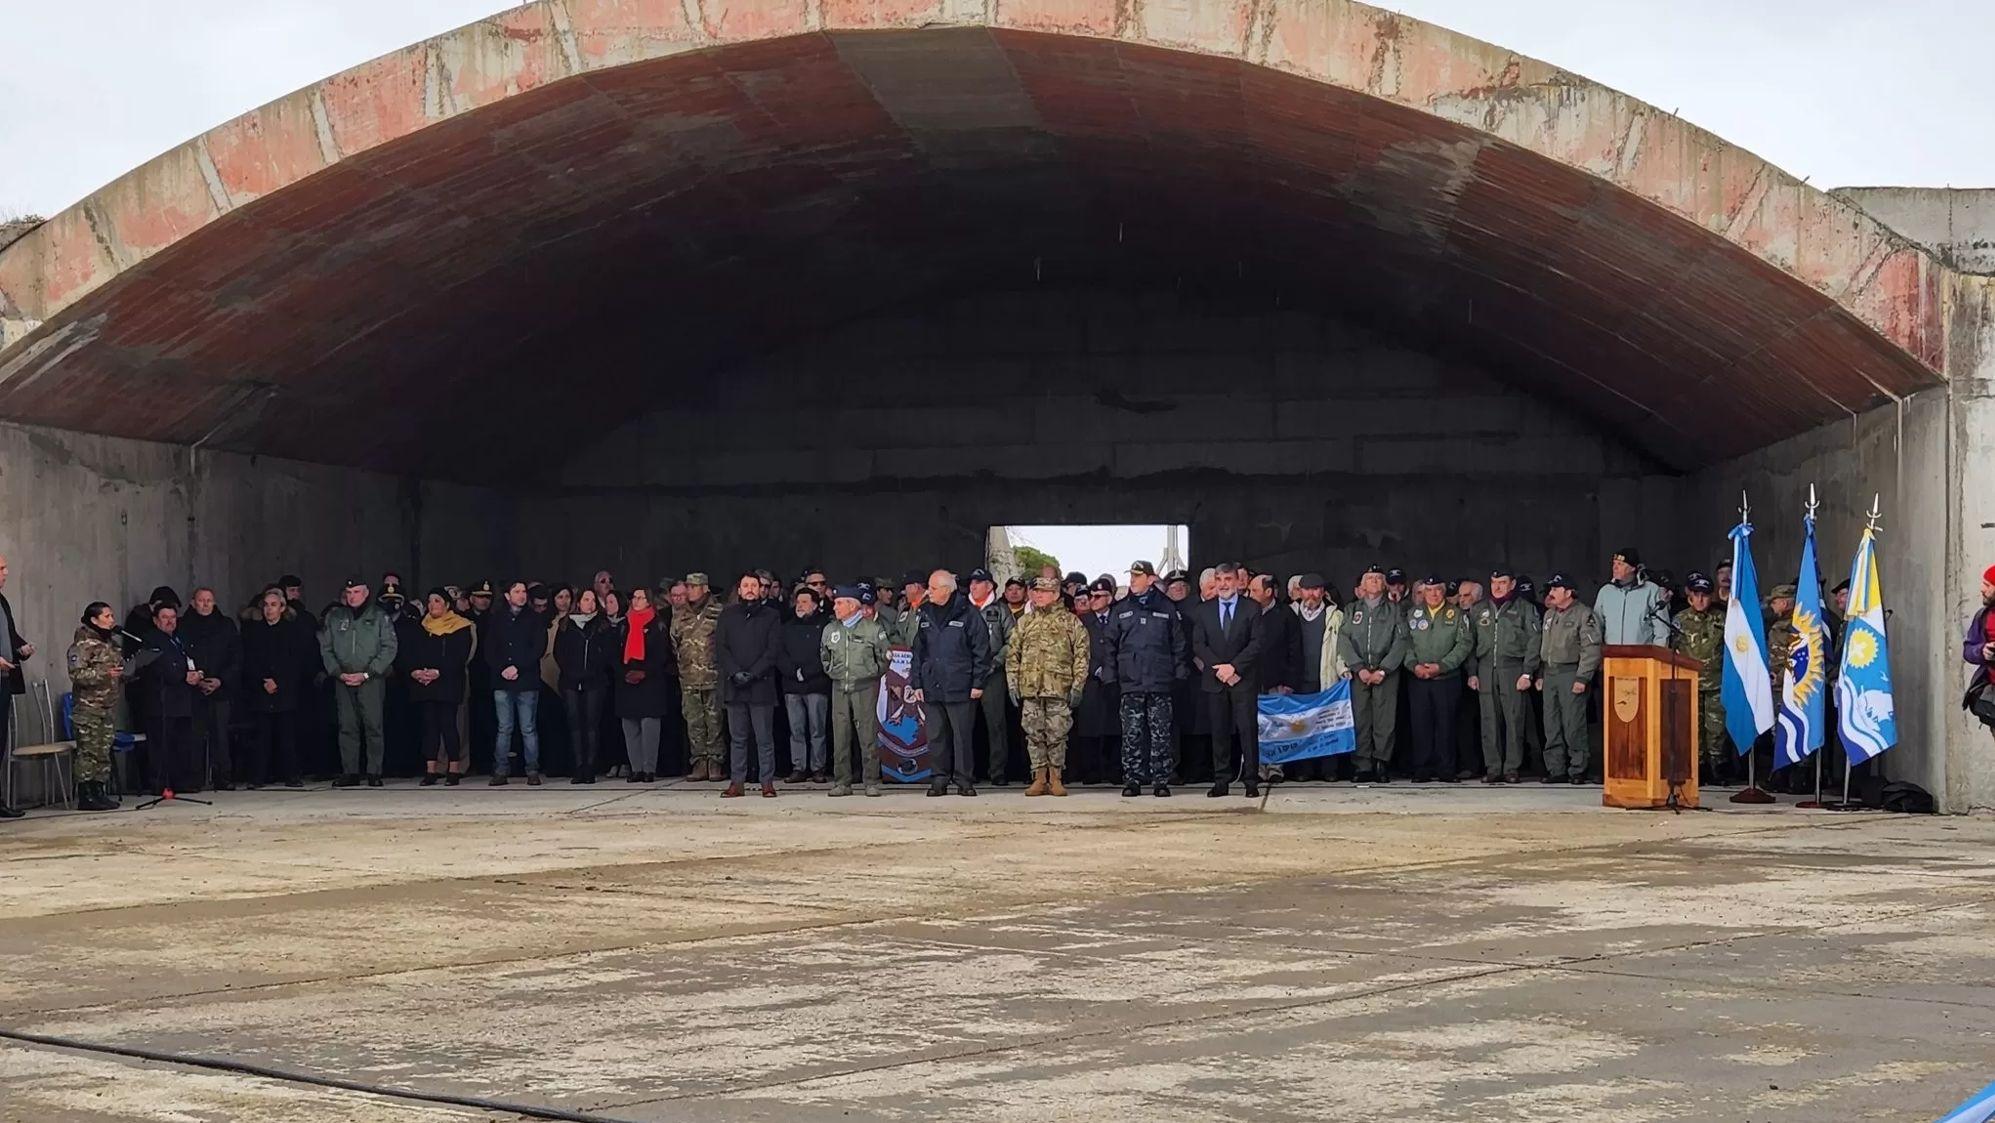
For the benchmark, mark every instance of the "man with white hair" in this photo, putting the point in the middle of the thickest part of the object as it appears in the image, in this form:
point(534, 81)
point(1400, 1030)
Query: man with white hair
point(951, 661)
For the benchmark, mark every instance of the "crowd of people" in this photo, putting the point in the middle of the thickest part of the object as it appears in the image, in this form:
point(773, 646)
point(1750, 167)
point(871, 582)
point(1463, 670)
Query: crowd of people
point(1145, 683)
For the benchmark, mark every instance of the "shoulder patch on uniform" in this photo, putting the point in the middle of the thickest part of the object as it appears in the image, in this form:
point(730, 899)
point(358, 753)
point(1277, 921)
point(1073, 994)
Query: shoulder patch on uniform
point(1125, 614)
point(1451, 616)
point(75, 658)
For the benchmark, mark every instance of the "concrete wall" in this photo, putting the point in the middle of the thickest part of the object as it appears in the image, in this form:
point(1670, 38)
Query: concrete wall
point(1957, 225)
point(87, 518)
point(1284, 439)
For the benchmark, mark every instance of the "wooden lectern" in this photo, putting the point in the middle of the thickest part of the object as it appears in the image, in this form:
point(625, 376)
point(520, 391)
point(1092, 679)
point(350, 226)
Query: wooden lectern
point(1648, 720)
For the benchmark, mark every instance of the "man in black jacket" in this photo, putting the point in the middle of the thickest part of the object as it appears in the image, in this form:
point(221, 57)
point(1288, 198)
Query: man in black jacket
point(216, 647)
point(14, 651)
point(1226, 642)
point(280, 658)
point(1148, 659)
point(747, 638)
point(512, 643)
point(952, 657)
point(1280, 662)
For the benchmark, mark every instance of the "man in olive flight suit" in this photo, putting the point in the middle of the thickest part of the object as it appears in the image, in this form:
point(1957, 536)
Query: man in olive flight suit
point(1571, 650)
point(1437, 645)
point(1507, 648)
point(1373, 643)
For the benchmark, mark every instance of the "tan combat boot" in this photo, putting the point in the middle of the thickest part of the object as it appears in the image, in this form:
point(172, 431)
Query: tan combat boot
point(1038, 782)
point(1053, 784)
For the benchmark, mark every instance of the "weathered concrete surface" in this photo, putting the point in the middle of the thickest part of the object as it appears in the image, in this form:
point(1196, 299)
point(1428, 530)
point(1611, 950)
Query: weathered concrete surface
point(86, 517)
point(653, 954)
point(479, 209)
point(1956, 223)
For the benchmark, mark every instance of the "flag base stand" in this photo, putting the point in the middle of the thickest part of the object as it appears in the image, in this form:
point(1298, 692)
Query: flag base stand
point(167, 796)
point(1752, 792)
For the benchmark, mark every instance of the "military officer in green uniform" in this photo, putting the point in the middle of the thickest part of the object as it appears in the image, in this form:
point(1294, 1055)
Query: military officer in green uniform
point(1373, 644)
point(1780, 636)
point(95, 672)
point(1701, 635)
point(855, 653)
point(1438, 643)
point(1508, 641)
point(1570, 648)
point(699, 677)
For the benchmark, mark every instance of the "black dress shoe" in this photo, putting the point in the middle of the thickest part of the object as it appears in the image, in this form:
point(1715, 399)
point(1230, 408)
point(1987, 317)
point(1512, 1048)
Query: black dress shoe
point(347, 781)
point(1362, 777)
point(966, 789)
point(1218, 789)
point(1000, 782)
point(294, 783)
point(1449, 779)
point(7, 812)
point(1549, 779)
point(938, 789)
point(1253, 790)
point(1161, 791)
point(429, 780)
point(374, 781)
point(497, 781)
point(225, 786)
point(452, 780)
point(1132, 789)
point(1423, 779)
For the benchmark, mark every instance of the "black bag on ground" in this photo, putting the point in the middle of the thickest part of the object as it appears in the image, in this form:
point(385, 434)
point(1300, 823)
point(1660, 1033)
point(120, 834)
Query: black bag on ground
point(1980, 701)
point(1909, 798)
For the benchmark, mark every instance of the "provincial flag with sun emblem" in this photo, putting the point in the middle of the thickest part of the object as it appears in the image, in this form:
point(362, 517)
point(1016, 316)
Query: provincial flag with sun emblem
point(1300, 726)
point(1799, 729)
point(1864, 702)
point(1747, 687)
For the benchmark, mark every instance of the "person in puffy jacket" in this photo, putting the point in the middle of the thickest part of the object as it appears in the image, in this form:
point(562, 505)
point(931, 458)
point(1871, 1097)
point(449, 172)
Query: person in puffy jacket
point(806, 688)
point(585, 650)
point(952, 659)
point(746, 640)
point(1148, 657)
point(436, 662)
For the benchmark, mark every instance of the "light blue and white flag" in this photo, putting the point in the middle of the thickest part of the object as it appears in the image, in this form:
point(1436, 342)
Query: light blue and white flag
point(1748, 686)
point(1864, 702)
point(1300, 726)
point(1980, 1108)
point(1802, 723)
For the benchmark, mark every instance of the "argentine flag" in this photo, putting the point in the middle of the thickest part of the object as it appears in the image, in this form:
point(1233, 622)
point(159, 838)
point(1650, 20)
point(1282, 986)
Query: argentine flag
point(1748, 686)
point(1799, 729)
point(1864, 701)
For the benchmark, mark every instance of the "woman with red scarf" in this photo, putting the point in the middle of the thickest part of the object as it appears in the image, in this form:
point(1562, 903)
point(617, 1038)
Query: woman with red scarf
point(644, 650)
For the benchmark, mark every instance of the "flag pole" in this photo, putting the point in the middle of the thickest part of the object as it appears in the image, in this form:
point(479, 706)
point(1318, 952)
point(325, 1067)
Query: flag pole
point(1870, 530)
point(1816, 803)
point(1752, 792)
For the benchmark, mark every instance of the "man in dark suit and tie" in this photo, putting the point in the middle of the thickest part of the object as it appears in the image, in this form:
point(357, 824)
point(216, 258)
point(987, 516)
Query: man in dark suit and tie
point(1225, 640)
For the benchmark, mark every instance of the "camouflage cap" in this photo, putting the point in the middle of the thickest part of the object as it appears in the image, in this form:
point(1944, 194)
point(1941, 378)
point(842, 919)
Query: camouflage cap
point(1780, 591)
point(699, 579)
point(1045, 585)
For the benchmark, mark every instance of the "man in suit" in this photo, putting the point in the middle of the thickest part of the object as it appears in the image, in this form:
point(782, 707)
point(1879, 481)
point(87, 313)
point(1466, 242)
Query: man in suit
point(13, 652)
point(1225, 642)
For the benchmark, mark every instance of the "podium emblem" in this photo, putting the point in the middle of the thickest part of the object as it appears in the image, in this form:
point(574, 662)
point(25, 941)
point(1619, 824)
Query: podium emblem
point(1627, 699)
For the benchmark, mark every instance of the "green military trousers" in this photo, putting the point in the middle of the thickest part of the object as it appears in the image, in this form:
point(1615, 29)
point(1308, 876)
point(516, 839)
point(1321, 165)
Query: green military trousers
point(701, 705)
point(855, 727)
point(1565, 724)
point(1375, 709)
point(95, 730)
point(1712, 741)
point(1506, 711)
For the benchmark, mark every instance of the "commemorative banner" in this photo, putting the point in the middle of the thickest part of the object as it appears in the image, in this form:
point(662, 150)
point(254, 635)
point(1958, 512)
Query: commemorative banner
point(903, 744)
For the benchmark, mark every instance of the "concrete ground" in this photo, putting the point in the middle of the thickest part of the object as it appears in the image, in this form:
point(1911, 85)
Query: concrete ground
point(627, 953)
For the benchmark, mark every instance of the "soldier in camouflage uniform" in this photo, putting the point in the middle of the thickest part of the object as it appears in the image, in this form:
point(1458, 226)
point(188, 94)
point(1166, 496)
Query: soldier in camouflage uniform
point(1046, 668)
point(1507, 644)
point(95, 671)
point(1780, 635)
point(699, 677)
point(1570, 648)
point(1701, 635)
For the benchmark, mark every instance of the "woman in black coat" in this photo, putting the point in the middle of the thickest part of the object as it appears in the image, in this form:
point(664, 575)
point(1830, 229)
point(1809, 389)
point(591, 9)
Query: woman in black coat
point(585, 650)
point(642, 648)
point(436, 661)
point(280, 661)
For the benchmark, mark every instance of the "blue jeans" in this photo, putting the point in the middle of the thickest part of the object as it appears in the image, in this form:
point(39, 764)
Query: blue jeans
point(527, 704)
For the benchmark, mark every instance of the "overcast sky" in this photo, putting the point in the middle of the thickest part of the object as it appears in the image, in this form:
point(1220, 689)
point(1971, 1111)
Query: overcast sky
point(1844, 91)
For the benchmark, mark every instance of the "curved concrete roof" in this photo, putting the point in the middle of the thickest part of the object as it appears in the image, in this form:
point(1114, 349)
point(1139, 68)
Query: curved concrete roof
point(637, 189)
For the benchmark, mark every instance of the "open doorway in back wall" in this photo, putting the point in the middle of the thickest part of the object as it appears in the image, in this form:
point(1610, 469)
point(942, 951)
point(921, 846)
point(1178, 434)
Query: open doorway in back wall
point(1092, 550)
